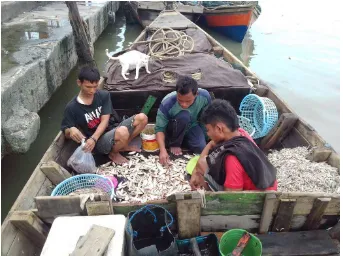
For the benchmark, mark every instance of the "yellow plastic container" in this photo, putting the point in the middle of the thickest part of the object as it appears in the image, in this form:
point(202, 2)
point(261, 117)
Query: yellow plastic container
point(149, 142)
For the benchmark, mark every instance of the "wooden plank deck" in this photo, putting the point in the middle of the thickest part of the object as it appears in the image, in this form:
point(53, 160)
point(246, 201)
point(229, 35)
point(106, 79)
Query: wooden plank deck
point(171, 19)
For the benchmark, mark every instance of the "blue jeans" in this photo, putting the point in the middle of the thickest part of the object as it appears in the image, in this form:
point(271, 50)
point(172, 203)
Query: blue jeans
point(176, 134)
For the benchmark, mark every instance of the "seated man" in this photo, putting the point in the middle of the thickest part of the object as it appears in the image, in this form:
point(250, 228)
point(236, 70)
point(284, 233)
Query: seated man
point(231, 160)
point(177, 119)
point(87, 117)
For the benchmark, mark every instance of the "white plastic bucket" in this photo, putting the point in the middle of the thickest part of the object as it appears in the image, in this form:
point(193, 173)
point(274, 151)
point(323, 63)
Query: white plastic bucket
point(149, 142)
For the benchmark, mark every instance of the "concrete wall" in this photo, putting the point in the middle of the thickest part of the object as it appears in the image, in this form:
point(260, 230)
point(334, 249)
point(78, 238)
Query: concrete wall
point(11, 9)
point(42, 66)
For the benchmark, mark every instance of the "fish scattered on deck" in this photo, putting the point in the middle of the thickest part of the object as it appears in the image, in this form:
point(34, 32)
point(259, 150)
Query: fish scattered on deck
point(297, 174)
point(147, 179)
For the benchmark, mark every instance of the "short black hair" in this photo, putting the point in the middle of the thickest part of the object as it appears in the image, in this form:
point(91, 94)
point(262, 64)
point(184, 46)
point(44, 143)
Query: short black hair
point(90, 74)
point(220, 111)
point(185, 84)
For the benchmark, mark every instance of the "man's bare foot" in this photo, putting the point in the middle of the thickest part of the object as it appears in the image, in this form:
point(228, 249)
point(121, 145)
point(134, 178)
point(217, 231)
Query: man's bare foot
point(131, 148)
point(117, 158)
point(176, 151)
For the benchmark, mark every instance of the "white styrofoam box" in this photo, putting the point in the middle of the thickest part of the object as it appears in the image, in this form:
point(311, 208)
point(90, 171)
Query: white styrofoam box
point(66, 231)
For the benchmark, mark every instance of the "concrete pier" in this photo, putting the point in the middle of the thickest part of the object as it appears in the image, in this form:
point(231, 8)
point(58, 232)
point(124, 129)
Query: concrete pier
point(38, 53)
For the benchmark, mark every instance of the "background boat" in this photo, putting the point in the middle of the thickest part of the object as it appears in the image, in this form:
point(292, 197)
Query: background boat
point(232, 19)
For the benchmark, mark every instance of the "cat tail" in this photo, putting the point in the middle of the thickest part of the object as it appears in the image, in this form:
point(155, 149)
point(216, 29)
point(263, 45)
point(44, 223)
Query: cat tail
point(109, 56)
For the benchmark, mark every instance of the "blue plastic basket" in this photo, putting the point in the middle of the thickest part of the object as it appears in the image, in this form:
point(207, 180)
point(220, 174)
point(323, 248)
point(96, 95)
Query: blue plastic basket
point(246, 124)
point(84, 181)
point(261, 111)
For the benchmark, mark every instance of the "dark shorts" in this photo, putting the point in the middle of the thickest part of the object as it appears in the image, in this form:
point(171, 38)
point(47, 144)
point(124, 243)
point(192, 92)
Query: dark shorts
point(106, 141)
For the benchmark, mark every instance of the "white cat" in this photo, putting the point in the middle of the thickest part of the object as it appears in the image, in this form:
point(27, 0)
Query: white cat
point(131, 60)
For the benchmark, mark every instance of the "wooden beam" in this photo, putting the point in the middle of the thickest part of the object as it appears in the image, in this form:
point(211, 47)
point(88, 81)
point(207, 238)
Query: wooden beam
point(279, 131)
point(50, 207)
point(31, 226)
point(54, 172)
point(267, 213)
point(319, 154)
point(95, 242)
point(284, 215)
point(316, 214)
point(188, 216)
point(99, 208)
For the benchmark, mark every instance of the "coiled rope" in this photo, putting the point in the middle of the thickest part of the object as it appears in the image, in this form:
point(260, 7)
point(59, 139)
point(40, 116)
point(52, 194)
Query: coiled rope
point(169, 43)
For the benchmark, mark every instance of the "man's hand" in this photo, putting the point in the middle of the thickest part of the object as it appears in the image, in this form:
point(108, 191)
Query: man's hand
point(197, 180)
point(76, 135)
point(89, 145)
point(176, 151)
point(164, 157)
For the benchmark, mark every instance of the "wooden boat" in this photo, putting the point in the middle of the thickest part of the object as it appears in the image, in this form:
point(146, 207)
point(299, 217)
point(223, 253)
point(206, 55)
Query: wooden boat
point(233, 20)
point(26, 226)
point(147, 11)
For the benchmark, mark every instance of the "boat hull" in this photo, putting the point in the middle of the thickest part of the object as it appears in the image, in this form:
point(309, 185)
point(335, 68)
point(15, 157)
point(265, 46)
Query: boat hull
point(229, 23)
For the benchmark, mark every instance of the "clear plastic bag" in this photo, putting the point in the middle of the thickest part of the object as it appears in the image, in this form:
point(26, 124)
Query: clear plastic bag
point(81, 161)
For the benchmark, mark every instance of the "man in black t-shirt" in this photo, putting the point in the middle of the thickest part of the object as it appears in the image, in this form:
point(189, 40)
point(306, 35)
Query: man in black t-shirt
point(87, 117)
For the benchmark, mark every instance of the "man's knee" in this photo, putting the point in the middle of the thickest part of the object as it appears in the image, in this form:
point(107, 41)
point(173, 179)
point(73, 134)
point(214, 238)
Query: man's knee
point(121, 133)
point(184, 117)
point(141, 118)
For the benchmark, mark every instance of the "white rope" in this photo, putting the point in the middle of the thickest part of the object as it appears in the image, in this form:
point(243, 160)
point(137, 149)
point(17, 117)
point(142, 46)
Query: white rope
point(169, 43)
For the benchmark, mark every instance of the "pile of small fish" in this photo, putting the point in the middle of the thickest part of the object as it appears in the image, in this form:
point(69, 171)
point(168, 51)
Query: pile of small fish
point(146, 179)
point(297, 174)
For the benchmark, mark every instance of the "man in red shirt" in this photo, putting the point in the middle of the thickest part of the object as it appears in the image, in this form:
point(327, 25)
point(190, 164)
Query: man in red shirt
point(231, 160)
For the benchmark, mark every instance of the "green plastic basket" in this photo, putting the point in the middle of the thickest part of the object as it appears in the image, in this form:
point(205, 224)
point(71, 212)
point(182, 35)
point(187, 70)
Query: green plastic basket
point(230, 239)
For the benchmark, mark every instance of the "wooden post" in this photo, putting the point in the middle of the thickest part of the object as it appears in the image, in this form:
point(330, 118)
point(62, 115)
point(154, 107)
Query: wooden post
point(54, 172)
point(280, 130)
point(83, 43)
point(316, 214)
point(284, 215)
point(95, 242)
point(188, 215)
point(267, 213)
point(31, 226)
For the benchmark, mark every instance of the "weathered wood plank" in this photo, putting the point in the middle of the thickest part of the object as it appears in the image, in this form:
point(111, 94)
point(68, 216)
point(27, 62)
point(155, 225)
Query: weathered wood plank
point(215, 223)
point(267, 213)
point(284, 215)
point(306, 200)
point(23, 246)
point(95, 242)
point(279, 131)
point(125, 208)
point(188, 216)
point(8, 235)
point(298, 243)
point(99, 208)
point(28, 223)
point(235, 203)
point(316, 214)
point(53, 206)
point(54, 172)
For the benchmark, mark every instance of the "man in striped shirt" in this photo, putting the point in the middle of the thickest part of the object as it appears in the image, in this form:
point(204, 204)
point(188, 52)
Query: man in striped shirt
point(177, 121)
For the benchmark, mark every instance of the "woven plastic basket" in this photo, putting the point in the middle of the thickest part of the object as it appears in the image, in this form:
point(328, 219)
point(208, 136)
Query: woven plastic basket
point(262, 113)
point(246, 124)
point(84, 181)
